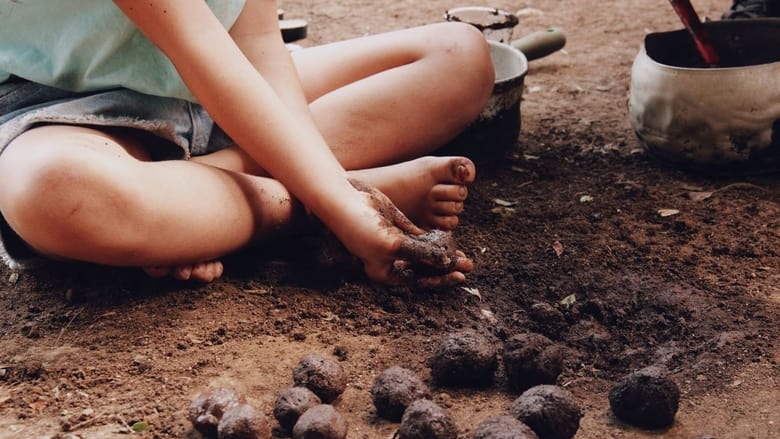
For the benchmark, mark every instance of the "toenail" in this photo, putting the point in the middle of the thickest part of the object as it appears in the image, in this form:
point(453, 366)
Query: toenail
point(462, 172)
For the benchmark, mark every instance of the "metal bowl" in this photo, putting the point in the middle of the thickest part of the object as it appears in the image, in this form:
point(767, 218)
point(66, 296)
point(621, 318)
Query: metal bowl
point(723, 119)
point(497, 128)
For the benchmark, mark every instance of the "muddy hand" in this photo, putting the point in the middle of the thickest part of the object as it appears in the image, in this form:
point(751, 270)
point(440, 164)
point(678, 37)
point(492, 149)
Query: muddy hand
point(434, 251)
point(426, 259)
point(432, 259)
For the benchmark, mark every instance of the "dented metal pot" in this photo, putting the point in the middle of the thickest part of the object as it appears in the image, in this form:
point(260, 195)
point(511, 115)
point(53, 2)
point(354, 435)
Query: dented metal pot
point(723, 119)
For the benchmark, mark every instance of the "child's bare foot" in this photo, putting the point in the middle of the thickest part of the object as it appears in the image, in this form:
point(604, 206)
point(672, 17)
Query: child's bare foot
point(202, 271)
point(429, 190)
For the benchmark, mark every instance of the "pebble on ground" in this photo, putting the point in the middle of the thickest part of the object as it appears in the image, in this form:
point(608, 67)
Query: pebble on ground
point(207, 408)
point(243, 421)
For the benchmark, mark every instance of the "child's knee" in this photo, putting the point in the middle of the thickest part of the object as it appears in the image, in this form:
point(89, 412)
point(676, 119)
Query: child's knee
point(46, 190)
point(467, 53)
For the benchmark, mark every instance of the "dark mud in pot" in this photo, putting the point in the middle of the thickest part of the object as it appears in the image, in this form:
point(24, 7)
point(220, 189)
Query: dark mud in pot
point(497, 128)
point(495, 24)
point(739, 44)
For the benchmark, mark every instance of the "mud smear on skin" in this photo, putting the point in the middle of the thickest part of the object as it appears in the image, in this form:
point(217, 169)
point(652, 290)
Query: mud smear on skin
point(425, 254)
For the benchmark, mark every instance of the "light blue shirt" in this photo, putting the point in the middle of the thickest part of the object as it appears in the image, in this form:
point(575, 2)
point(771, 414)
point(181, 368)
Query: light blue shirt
point(89, 45)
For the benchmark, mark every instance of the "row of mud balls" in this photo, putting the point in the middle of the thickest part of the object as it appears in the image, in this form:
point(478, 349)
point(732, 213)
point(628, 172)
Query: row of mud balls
point(647, 398)
point(304, 410)
point(466, 359)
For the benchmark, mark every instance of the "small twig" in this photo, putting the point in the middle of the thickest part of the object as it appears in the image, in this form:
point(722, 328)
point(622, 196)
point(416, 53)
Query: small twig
point(741, 185)
point(121, 420)
point(737, 185)
point(62, 331)
point(86, 422)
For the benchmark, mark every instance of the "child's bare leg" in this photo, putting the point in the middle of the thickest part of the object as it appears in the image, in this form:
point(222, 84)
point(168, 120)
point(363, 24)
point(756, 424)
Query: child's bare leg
point(377, 100)
point(429, 190)
point(391, 97)
point(82, 194)
point(386, 98)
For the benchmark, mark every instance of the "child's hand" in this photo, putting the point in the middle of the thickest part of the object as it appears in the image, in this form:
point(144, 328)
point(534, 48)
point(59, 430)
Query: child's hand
point(403, 254)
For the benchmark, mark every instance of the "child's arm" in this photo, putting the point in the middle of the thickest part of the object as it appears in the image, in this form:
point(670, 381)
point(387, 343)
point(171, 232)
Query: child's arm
point(241, 101)
point(272, 124)
point(257, 34)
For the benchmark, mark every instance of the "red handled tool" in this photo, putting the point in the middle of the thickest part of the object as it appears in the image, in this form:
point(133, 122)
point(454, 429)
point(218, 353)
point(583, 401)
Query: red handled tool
point(699, 33)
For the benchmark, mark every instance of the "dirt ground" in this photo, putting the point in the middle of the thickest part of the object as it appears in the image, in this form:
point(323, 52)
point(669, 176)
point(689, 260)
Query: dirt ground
point(86, 352)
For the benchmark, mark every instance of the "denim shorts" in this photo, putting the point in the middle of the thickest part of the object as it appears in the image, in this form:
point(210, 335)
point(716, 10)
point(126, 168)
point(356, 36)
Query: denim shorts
point(181, 129)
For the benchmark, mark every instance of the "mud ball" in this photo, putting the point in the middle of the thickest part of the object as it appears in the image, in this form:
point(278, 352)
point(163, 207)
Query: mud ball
point(550, 411)
point(531, 359)
point(323, 376)
point(465, 359)
point(292, 403)
point(424, 419)
point(207, 408)
point(320, 422)
point(647, 398)
point(243, 421)
point(394, 389)
point(432, 254)
point(504, 427)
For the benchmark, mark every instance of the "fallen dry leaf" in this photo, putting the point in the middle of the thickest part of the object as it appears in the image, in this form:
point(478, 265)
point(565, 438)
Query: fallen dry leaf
point(473, 292)
point(504, 212)
point(504, 203)
point(569, 300)
point(698, 196)
point(489, 316)
point(525, 12)
point(258, 291)
point(558, 248)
